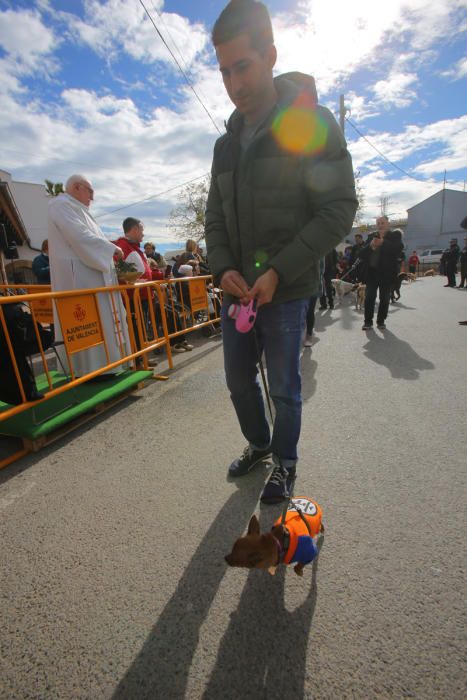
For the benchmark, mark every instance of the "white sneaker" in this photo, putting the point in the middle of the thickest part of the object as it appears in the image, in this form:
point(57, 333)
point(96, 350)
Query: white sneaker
point(178, 348)
point(187, 345)
point(308, 342)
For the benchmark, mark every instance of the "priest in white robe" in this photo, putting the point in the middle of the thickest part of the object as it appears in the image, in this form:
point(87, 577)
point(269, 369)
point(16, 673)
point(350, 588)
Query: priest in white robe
point(81, 257)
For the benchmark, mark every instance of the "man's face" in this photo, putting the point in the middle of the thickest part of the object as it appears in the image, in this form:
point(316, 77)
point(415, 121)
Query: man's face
point(382, 224)
point(247, 74)
point(83, 192)
point(148, 249)
point(358, 240)
point(136, 233)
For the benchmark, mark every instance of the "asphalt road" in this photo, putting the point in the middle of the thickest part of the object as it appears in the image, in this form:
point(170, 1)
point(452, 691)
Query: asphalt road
point(113, 583)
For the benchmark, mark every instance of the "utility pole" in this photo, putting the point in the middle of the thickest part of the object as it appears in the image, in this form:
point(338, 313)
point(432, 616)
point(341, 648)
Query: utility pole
point(342, 111)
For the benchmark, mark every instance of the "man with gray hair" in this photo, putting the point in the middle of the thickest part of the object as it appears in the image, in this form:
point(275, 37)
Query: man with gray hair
point(81, 257)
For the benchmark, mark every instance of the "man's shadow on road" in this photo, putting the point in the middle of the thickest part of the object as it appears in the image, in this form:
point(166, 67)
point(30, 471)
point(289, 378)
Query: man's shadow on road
point(395, 354)
point(162, 666)
point(308, 368)
point(264, 649)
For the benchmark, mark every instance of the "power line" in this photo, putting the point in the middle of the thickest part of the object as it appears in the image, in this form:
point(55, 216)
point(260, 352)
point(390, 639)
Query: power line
point(180, 68)
point(153, 196)
point(413, 177)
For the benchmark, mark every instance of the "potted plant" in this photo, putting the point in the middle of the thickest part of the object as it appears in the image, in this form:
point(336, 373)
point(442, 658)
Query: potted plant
point(126, 272)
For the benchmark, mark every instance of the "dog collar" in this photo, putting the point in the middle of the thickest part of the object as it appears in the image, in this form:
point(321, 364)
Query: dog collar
point(282, 550)
point(279, 549)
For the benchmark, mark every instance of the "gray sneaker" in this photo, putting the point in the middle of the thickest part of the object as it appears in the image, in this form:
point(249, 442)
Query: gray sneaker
point(248, 459)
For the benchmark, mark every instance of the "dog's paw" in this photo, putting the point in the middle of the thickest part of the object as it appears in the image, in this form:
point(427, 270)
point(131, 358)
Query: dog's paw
point(298, 568)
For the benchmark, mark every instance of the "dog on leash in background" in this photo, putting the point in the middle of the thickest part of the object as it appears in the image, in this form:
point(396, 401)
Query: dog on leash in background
point(360, 292)
point(291, 541)
point(342, 288)
point(396, 285)
point(429, 273)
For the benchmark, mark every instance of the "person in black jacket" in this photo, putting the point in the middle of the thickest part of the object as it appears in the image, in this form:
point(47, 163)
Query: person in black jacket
point(380, 264)
point(449, 259)
point(463, 262)
point(41, 265)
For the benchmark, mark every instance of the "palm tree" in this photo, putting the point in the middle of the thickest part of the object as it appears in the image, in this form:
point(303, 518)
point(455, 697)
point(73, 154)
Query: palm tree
point(53, 189)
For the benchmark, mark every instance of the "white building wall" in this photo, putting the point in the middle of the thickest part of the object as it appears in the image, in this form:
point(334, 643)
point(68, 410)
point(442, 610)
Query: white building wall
point(32, 202)
point(433, 222)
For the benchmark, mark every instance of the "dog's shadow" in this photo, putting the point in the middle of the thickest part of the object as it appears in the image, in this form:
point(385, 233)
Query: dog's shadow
point(263, 653)
point(162, 666)
point(397, 355)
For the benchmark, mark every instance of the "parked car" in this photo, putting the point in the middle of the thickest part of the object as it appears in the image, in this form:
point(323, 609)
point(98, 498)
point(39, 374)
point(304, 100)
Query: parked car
point(431, 256)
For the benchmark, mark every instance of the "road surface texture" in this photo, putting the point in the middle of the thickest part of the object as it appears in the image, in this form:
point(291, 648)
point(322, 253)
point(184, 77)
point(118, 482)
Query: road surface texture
point(113, 580)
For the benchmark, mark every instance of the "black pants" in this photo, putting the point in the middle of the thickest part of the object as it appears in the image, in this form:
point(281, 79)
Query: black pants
point(463, 275)
point(328, 293)
point(451, 275)
point(372, 286)
point(310, 317)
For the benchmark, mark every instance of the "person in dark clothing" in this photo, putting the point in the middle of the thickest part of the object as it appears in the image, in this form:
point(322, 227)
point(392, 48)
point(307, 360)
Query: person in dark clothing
point(449, 259)
point(463, 263)
point(330, 269)
point(41, 265)
point(380, 260)
point(354, 255)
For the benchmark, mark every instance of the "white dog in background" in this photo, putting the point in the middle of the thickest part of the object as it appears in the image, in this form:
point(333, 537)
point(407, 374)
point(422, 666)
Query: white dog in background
point(343, 288)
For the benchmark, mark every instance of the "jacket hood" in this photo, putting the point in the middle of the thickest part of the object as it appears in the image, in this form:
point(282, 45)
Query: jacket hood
point(289, 86)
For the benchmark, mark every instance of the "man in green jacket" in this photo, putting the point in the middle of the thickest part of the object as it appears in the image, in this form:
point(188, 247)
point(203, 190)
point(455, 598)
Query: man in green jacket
point(282, 195)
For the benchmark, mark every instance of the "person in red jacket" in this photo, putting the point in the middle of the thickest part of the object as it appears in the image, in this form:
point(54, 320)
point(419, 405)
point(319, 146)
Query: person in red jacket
point(132, 253)
point(414, 260)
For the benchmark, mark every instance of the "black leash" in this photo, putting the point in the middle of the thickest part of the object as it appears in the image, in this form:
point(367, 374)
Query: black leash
point(268, 399)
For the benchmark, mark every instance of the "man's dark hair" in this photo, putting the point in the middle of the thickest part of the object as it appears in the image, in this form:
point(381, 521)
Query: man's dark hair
point(244, 17)
point(129, 223)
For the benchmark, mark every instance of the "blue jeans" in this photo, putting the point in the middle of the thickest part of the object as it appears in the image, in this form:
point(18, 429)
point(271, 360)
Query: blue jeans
point(279, 329)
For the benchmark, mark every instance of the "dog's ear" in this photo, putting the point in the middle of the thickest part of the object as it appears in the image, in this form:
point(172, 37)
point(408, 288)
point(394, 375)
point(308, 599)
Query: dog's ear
point(253, 526)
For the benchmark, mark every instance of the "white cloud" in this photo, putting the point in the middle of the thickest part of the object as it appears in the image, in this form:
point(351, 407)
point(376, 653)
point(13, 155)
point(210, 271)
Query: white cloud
point(25, 38)
point(395, 91)
point(458, 71)
point(118, 25)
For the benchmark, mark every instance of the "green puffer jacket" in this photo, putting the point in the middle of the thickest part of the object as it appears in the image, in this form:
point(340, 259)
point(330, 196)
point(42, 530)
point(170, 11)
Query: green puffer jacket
point(270, 208)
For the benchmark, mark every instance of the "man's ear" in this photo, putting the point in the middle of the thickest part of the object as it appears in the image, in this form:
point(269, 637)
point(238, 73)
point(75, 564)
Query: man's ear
point(271, 55)
point(253, 526)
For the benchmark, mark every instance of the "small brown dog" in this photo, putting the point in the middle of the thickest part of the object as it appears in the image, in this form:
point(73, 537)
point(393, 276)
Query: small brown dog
point(286, 543)
point(429, 273)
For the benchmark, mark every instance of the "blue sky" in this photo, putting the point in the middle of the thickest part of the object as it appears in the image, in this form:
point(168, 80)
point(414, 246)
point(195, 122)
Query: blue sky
point(89, 87)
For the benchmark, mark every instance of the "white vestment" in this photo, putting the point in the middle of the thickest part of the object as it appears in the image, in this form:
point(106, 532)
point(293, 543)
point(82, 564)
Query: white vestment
point(81, 257)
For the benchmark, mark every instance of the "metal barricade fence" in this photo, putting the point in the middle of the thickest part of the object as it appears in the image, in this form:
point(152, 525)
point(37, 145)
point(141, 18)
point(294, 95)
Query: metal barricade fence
point(156, 313)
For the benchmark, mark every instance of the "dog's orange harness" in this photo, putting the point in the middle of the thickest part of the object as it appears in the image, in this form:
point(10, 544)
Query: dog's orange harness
point(301, 546)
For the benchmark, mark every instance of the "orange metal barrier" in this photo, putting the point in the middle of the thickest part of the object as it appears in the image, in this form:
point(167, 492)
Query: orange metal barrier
point(157, 313)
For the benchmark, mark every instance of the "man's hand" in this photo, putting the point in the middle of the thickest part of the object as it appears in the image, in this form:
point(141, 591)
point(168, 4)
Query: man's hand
point(376, 243)
point(264, 287)
point(233, 283)
point(118, 253)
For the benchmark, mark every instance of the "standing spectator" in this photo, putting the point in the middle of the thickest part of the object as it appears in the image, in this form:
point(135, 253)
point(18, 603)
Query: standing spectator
point(267, 226)
point(463, 262)
point(414, 261)
point(449, 259)
point(151, 253)
point(81, 257)
point(380, 267)
point(354, 256)
point(330, 269)
point(130, 243)
point(41, 264)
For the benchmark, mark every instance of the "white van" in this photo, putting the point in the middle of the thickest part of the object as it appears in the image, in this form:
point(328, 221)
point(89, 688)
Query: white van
point(431, 256)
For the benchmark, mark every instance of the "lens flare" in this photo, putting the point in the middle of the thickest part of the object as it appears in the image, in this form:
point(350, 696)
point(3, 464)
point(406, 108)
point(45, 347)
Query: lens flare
point(300, 130)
